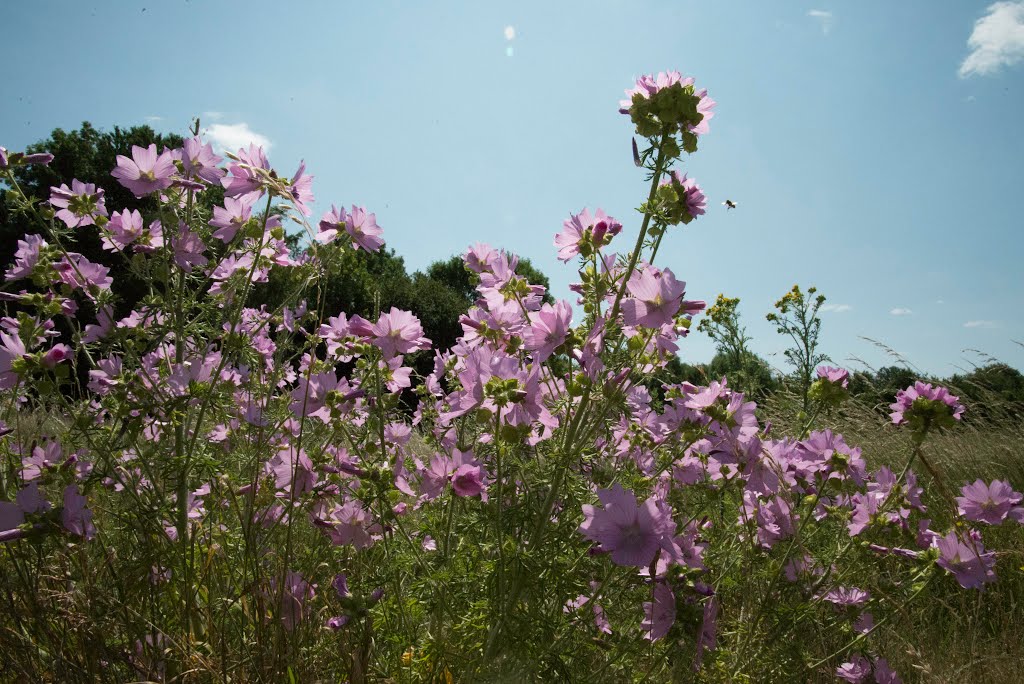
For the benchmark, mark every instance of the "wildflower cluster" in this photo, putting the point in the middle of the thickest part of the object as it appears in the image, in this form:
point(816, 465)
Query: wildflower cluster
point(261, 495)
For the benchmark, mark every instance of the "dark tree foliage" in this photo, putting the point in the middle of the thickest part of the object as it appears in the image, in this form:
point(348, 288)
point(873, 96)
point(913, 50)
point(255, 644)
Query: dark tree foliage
point(991, 389)
point(750, 373)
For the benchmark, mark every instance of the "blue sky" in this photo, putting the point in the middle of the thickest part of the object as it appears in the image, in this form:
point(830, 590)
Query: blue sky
point(874, 148)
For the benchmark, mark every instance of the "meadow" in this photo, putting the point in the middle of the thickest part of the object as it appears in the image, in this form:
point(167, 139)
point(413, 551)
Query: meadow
point(204, 487)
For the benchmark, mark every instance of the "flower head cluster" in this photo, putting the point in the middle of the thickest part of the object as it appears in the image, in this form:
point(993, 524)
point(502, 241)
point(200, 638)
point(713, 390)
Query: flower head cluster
point(922, 405)
point(667, 100)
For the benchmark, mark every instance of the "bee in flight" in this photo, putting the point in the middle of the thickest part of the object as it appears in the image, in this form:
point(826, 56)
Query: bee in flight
point(729, 204)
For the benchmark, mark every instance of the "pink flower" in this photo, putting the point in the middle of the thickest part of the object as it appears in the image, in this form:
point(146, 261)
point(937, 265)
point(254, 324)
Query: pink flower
point(396, 332)
point(229, 218)
point(293, 598)
point(363, 229)
point(188, 249)
point(247, 175)
point(656, 297)
point(55, 354)
point(548, 329)
point(300, 190)
point(199, 161)
point(923, 403)
point(836, 376)
point(14, 159)
point(631, 533)
point(78, 205)
point(660, 612)
point(145, 172)
point(854, 670)
point(583, 233)
point(847, 596)
point(648, 85)
point(26, 257)
point(123, 229)
point(11, 349)
point(479, 257)
point(468, 480)
point(969, 564)
point(708, 631)
point(76, 518)
point(990, 504)
point(690, 195)
point(885, 674)
point(77, 272)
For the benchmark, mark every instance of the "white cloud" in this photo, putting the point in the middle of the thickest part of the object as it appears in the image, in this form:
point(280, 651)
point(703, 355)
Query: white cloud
point(940, 301)
point(825, 19)
point(213, 116)
point(154, 119)
point(900, 311)
point(510, 32)
point(836, 308)
point(997, 40)
point(981, 324)
point(232, 137)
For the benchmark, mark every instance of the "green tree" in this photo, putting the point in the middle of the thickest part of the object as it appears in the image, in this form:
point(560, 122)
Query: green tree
point(722, 324)
point(734, 360)
point(798, 318)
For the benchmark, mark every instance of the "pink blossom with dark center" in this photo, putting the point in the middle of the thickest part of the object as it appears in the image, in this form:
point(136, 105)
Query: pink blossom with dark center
point(55, 354)
point(146, 172)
